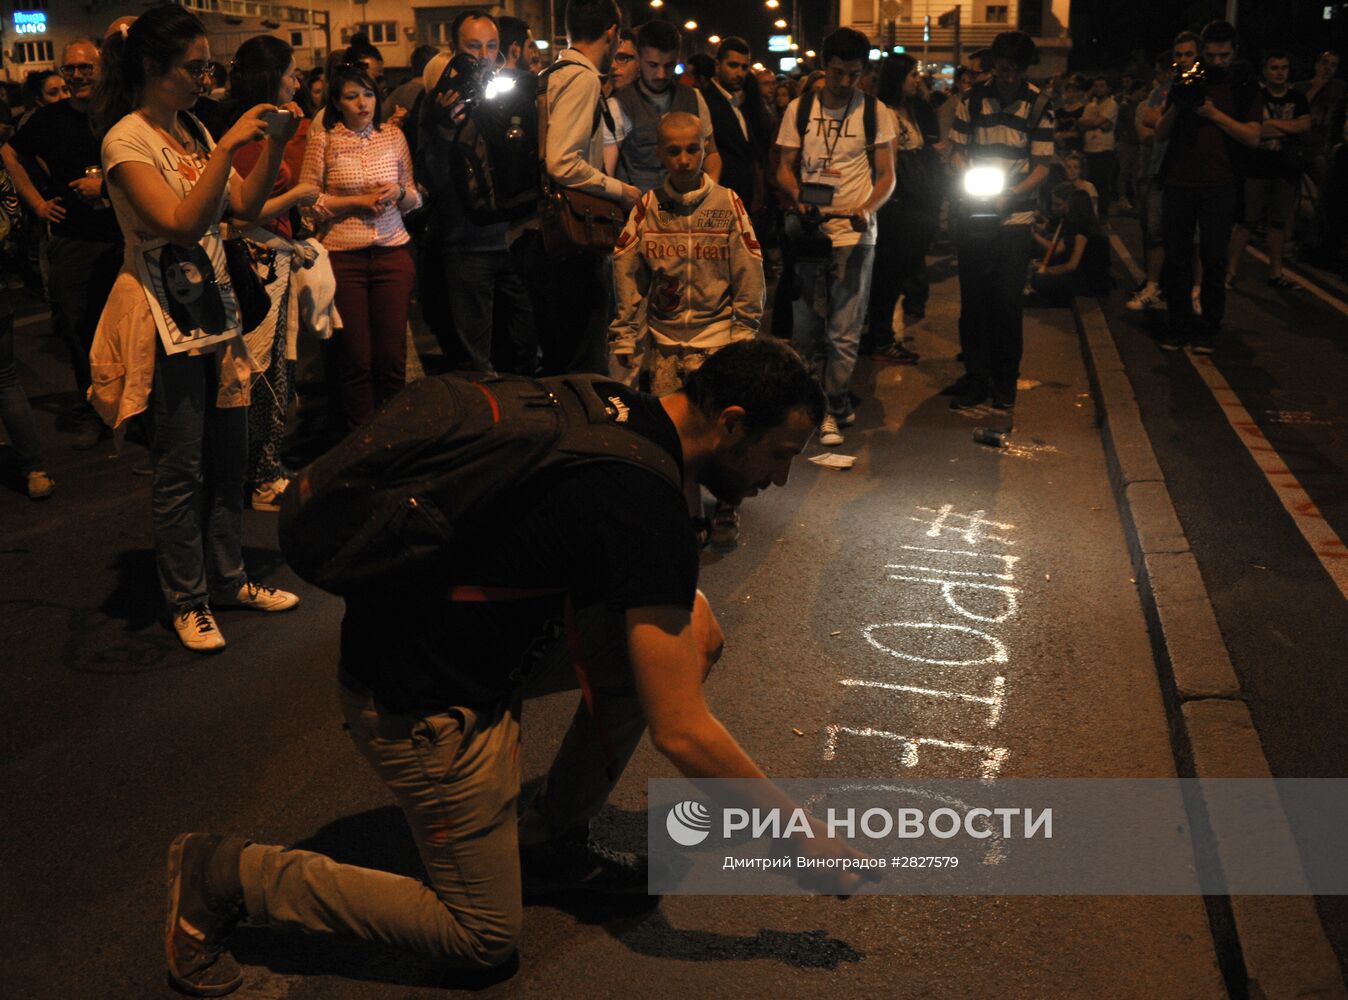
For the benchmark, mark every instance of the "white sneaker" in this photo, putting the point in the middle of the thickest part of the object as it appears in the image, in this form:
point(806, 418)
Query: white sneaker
point(197, 630)
point(267, 496)
point(829, 436)
point(259, 598)
point(1148, 298)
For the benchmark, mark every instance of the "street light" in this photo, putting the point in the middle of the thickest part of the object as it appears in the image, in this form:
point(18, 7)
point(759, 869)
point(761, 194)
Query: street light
point(773, 4)
point(779, 23)
point(714, 39)
point(809, 53)
point(657, 4)
point(690, 25)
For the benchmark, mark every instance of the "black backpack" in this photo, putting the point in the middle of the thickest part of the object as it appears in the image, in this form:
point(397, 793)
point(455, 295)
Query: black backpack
point(387, 504)
point(490, 163)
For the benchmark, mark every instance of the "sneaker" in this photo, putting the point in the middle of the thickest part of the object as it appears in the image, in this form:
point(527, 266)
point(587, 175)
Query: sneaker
point(1147, 297)
point(1004, 399)
point(205, 904)
point(573, 862)
point(1172, 341)
point(725, 527)
point(973, 394)
point(40, 485)
point(197, 630)
point(1202, 343)
point(267, 496)
point(259, 598)
point(896, 354)
point(829, 435)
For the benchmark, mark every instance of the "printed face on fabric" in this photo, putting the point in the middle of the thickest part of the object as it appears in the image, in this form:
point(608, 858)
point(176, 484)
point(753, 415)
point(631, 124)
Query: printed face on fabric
point(746, 463)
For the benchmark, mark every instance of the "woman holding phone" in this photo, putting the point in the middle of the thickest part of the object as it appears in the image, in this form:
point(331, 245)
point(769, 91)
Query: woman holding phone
point(364, 170)
point(170, 186)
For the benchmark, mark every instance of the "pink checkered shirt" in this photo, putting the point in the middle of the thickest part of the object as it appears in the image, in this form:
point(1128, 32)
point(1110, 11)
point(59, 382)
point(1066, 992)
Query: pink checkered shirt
point(342, 162)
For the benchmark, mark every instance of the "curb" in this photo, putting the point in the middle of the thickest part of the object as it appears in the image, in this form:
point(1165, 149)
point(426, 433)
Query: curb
point(1268, 946)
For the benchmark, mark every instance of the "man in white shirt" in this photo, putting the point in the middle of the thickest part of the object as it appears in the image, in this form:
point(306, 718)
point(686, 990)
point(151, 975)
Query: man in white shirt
point(1099, 140)
point(846, 157)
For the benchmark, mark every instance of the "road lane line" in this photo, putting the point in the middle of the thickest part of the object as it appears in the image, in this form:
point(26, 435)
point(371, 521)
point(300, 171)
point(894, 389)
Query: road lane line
point(1309, 286)
point(1305, 514)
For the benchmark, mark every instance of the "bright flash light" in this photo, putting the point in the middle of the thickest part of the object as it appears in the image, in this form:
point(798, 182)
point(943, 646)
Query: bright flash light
point(984, 182)
point(541, 44)
point(497, 86)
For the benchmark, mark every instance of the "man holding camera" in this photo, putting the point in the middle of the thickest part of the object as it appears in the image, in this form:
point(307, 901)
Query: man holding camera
point(1207, 118)
point(840, 165)
point(476, 264)
point(1004, 125)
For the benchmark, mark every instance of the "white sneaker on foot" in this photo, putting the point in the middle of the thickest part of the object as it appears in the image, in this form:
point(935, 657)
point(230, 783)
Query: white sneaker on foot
point(259, 598)
point(829, 435)
point(267, 496)
point(197, 630)
point(1147, 297)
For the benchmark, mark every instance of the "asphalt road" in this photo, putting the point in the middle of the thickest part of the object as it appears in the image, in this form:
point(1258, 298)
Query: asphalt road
point(1282, 616)
point(117, 739)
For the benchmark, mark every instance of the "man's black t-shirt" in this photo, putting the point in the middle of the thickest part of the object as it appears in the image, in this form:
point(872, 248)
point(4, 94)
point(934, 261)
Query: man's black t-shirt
point(1200, 153)
point(608, 533)
point(1271, 158)
point(60, 136)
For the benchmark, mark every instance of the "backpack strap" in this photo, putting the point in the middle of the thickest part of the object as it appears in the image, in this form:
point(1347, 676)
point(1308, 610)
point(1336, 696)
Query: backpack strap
point(869, 112)
point(803, 110)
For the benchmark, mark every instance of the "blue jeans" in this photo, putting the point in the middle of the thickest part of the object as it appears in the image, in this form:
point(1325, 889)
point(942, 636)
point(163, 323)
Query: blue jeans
point(828, 317)
point(200, 456)
point(15, 413)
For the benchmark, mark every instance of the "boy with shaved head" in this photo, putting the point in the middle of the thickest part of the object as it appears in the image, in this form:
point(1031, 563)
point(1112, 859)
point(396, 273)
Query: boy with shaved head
point(688, 273)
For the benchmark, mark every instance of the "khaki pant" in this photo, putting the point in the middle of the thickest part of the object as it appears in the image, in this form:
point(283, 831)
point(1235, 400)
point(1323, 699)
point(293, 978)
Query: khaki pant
point(456, 775)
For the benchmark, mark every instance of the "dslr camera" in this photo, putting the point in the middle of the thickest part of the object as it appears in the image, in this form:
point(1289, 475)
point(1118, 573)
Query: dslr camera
point(474, 81)
point(1190, 88)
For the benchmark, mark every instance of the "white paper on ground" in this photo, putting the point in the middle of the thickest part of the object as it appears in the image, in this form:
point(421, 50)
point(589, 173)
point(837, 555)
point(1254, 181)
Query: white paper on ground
point(832, 460)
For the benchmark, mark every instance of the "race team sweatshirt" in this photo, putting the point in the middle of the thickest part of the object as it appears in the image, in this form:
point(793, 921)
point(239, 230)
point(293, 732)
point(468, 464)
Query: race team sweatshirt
point(688, 271)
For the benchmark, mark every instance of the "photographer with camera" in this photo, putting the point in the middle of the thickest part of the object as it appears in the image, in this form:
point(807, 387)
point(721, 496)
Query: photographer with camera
point(1003, 145)
point(837, 156)
point(1208, 116)
point(465, 127)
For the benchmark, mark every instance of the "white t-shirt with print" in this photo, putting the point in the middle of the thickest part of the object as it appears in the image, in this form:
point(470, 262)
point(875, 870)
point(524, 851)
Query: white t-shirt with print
point(134, 140)
point(1098, 140)
point(834, 153)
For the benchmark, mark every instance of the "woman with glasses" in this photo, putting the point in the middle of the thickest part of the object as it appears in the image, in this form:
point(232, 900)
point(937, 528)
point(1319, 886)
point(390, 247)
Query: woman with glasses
point(169, 340)
point(264, 72)
point(364, 169)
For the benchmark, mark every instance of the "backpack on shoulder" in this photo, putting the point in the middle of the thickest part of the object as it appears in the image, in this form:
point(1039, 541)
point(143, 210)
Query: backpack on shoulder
point(388, 504)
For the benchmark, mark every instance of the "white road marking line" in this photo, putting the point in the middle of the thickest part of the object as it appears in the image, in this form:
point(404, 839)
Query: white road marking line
point(1326, 545)
point(1309, 286)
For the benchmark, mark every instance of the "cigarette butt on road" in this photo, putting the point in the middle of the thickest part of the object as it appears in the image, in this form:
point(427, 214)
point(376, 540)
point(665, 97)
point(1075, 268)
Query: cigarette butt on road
point(1047, 577)
point(839, 632)
point(796, 731)
point(1132, 579)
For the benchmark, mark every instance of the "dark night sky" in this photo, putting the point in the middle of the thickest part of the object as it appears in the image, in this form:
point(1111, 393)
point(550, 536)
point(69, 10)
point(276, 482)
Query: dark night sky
point(748, 18)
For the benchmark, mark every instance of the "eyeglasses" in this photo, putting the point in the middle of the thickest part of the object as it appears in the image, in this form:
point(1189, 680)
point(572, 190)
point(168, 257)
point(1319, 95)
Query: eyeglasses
point(84, 69)
point(198, 67)
point(624, 57)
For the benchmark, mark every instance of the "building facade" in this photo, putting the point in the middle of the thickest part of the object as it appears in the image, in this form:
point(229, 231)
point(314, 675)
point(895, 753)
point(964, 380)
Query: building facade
point(925, 29)
point(33, 32)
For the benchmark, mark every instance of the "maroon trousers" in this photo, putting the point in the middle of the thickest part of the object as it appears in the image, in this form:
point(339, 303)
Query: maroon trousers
point(369, 353)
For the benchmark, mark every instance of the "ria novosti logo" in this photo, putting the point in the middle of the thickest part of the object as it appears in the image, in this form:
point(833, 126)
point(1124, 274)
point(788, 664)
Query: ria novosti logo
point(688, 823)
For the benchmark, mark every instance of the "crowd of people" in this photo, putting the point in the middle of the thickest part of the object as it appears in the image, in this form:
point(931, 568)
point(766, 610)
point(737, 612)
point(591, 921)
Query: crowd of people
point(665, 229)
point(734, 196)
